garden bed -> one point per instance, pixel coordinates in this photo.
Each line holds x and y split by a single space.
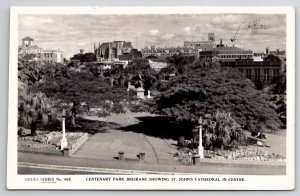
49 142
251 152
248 153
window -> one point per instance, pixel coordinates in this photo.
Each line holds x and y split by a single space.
257 74
248 73
276 73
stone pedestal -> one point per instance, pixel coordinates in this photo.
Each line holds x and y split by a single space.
140 93
141 156
121 155
149 96
180 141
196 159
63 143
66 152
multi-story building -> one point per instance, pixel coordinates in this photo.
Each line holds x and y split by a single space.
189 48
266 71
202 45
39 54
260 68
225 53
168 52
50 56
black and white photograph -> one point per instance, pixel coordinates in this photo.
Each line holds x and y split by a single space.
151 98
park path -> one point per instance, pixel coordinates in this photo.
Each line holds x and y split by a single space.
105 146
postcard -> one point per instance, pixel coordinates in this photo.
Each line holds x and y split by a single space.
151 98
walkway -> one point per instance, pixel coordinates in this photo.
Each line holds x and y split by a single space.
105 146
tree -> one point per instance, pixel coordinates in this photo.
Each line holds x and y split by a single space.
142 73
221 130
86 57
82 87
205 90
179 62
33 109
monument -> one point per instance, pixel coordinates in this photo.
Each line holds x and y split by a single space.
200 148
63 141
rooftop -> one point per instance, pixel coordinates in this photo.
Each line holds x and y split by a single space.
127 45
27 38
125 57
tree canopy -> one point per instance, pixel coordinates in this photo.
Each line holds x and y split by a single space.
86 57
82 87
205 90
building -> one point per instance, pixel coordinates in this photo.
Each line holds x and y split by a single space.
157 64
202 45
110 51
28 47
50 56
168 52
265 72
281 54
211 36
260 68
189 48
225 53
39 54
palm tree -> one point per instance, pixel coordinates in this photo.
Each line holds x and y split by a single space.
220 130
33 109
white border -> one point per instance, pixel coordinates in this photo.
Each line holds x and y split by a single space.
286 182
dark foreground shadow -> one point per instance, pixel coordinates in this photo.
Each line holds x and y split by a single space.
92 126
82 125
161 127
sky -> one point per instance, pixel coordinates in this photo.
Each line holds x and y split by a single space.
73 32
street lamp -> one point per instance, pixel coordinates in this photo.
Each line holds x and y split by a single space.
63 141
200 148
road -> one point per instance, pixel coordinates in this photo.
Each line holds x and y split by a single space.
44 164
